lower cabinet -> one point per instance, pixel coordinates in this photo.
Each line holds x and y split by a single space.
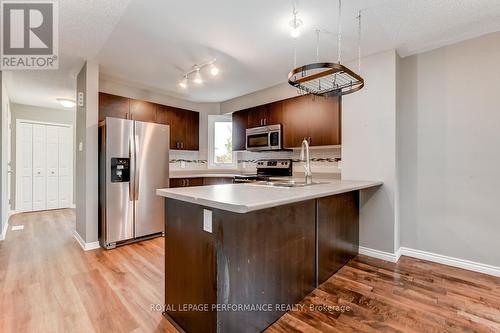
186 182
217 180
199 181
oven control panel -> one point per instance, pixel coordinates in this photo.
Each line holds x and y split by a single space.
275 167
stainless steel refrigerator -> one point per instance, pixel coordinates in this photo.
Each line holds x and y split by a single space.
133 163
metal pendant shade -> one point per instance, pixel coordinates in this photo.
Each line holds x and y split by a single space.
328 78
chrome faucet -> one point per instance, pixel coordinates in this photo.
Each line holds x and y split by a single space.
307 165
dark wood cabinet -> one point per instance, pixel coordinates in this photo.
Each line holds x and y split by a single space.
184 127
186 182
113 106
142 110
296 116
240 120
324 123
199 181
258 116
314 118
338 232
191 134
217 180
184 124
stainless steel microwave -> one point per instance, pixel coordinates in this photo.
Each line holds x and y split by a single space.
264 138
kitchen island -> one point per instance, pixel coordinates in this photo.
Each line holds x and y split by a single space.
238 256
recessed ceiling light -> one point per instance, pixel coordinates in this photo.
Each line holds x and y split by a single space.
67 103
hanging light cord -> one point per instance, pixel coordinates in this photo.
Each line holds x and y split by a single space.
339 34
359 41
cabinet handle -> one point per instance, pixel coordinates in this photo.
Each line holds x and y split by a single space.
182 146
265 121
187 182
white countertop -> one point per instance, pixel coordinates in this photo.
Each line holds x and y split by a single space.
244 198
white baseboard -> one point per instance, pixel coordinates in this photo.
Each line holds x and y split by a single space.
450 261
433 257
4 230
85 246
387 256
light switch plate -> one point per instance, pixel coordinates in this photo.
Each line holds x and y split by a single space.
207 220
80 146
80 99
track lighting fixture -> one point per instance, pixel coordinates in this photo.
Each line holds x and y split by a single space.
197 75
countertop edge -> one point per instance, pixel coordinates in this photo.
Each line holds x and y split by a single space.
239 208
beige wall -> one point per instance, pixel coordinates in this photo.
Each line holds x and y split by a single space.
369 149
448 152
87 158
36 113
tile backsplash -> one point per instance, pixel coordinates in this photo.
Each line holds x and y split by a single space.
322 159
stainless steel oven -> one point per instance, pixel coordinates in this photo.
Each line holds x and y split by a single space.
264 138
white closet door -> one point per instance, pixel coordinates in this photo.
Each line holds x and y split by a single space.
65 169
52 167
39 167
25 167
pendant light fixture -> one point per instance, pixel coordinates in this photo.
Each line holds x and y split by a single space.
328 78
295 23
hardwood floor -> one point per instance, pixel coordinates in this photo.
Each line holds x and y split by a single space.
48 284
410 296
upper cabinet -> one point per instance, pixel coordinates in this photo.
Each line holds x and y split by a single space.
240 120
184 124
113 106
142 110
184 127
314 118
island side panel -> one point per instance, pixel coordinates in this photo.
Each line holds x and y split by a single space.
338 232
264 257
190 267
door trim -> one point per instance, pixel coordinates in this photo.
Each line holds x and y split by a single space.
17 172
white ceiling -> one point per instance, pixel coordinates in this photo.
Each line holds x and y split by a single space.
153 43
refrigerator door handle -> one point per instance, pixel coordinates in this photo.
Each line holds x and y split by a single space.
131 157
137 168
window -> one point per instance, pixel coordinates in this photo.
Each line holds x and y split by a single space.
220 142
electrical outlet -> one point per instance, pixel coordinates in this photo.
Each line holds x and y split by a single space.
207 220
183 165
